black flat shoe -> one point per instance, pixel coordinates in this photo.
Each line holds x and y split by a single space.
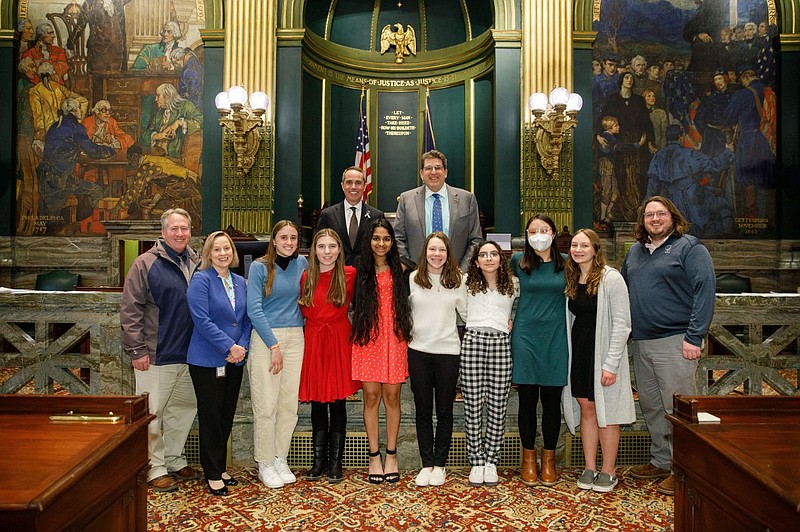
230 481
391 478
375 478
221 492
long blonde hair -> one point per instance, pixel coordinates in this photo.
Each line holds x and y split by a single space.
271 255
337 293
572 271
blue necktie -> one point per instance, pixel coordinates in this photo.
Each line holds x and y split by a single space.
436 223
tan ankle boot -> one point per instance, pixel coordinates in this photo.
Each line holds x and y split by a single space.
529 467
548 467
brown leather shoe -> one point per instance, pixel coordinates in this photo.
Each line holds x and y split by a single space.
667 486
529 467
185 473
648 471
163 483
548 476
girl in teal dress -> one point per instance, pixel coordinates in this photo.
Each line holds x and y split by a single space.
539 345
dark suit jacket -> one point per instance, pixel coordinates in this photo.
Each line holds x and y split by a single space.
464 231
333 217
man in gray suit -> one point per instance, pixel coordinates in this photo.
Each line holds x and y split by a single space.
351 217
436 206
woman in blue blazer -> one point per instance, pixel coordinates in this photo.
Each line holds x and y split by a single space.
218 302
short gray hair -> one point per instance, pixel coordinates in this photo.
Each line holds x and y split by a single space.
176 30
43 28
70 106
100 105
169 212
46 68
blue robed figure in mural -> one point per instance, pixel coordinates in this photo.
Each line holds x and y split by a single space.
675 172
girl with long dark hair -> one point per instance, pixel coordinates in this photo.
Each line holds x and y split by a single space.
381 331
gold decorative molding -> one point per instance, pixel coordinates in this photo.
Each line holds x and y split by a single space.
543 193
790 42
404 41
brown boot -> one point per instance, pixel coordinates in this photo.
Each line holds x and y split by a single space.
548 467
529 467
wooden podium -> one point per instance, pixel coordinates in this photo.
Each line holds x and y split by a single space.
75 474
741 474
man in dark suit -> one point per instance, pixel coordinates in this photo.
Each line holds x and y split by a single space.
436 206
351 217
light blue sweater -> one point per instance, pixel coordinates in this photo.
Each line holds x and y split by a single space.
280 309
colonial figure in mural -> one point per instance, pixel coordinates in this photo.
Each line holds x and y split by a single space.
64 142
72 170
105 46
706 48
156 57
44 51
172 122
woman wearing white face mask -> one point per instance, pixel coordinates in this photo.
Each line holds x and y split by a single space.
539 345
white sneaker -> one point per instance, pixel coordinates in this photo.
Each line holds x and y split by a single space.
476 476
269 476
490 477
423 477
283 471
438 476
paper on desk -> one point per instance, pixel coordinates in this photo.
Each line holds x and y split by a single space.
705 417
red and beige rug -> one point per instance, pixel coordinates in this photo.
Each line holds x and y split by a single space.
357 505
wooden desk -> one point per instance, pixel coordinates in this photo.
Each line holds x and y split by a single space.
741 474
73 476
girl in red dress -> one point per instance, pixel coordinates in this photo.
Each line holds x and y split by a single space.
325 379
381 331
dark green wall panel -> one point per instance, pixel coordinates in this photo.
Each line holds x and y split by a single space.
789 149
288 103
583 190
212 141
507 140
8 181
343 136
449 119
483 147
311 142
397 159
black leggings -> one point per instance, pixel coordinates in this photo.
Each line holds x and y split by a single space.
551 414
338 416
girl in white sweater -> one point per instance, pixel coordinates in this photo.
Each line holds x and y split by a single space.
486 358
437 295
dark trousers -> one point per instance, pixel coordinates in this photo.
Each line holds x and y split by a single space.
216 406
433 377
551 414
329 417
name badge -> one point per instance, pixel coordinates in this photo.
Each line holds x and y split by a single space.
221 371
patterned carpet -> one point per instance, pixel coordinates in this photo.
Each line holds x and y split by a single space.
357 505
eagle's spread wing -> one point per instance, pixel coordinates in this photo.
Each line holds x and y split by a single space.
387 38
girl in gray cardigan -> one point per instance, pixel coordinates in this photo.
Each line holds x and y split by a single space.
598 394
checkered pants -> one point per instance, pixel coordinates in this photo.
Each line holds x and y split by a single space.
485 378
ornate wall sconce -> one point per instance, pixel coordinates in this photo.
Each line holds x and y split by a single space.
244 122
551 121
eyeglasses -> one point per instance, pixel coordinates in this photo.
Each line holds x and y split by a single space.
541 230
656 214
488 255
104 111
431 168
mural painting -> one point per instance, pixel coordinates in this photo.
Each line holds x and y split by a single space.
109 123
684 105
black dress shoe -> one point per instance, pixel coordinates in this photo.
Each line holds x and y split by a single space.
221 492
230 481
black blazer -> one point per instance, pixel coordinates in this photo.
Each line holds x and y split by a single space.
333 217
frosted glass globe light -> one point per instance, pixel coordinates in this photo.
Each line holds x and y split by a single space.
538 102
221 101
237 95
559 96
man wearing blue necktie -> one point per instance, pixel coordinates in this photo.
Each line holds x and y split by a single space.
436 206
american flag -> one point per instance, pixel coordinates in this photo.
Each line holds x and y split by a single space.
362 148
429 139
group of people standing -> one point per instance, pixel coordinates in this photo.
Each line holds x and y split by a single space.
317 330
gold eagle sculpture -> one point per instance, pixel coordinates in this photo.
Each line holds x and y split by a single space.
405 42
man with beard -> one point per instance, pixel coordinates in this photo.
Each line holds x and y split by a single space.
671 284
